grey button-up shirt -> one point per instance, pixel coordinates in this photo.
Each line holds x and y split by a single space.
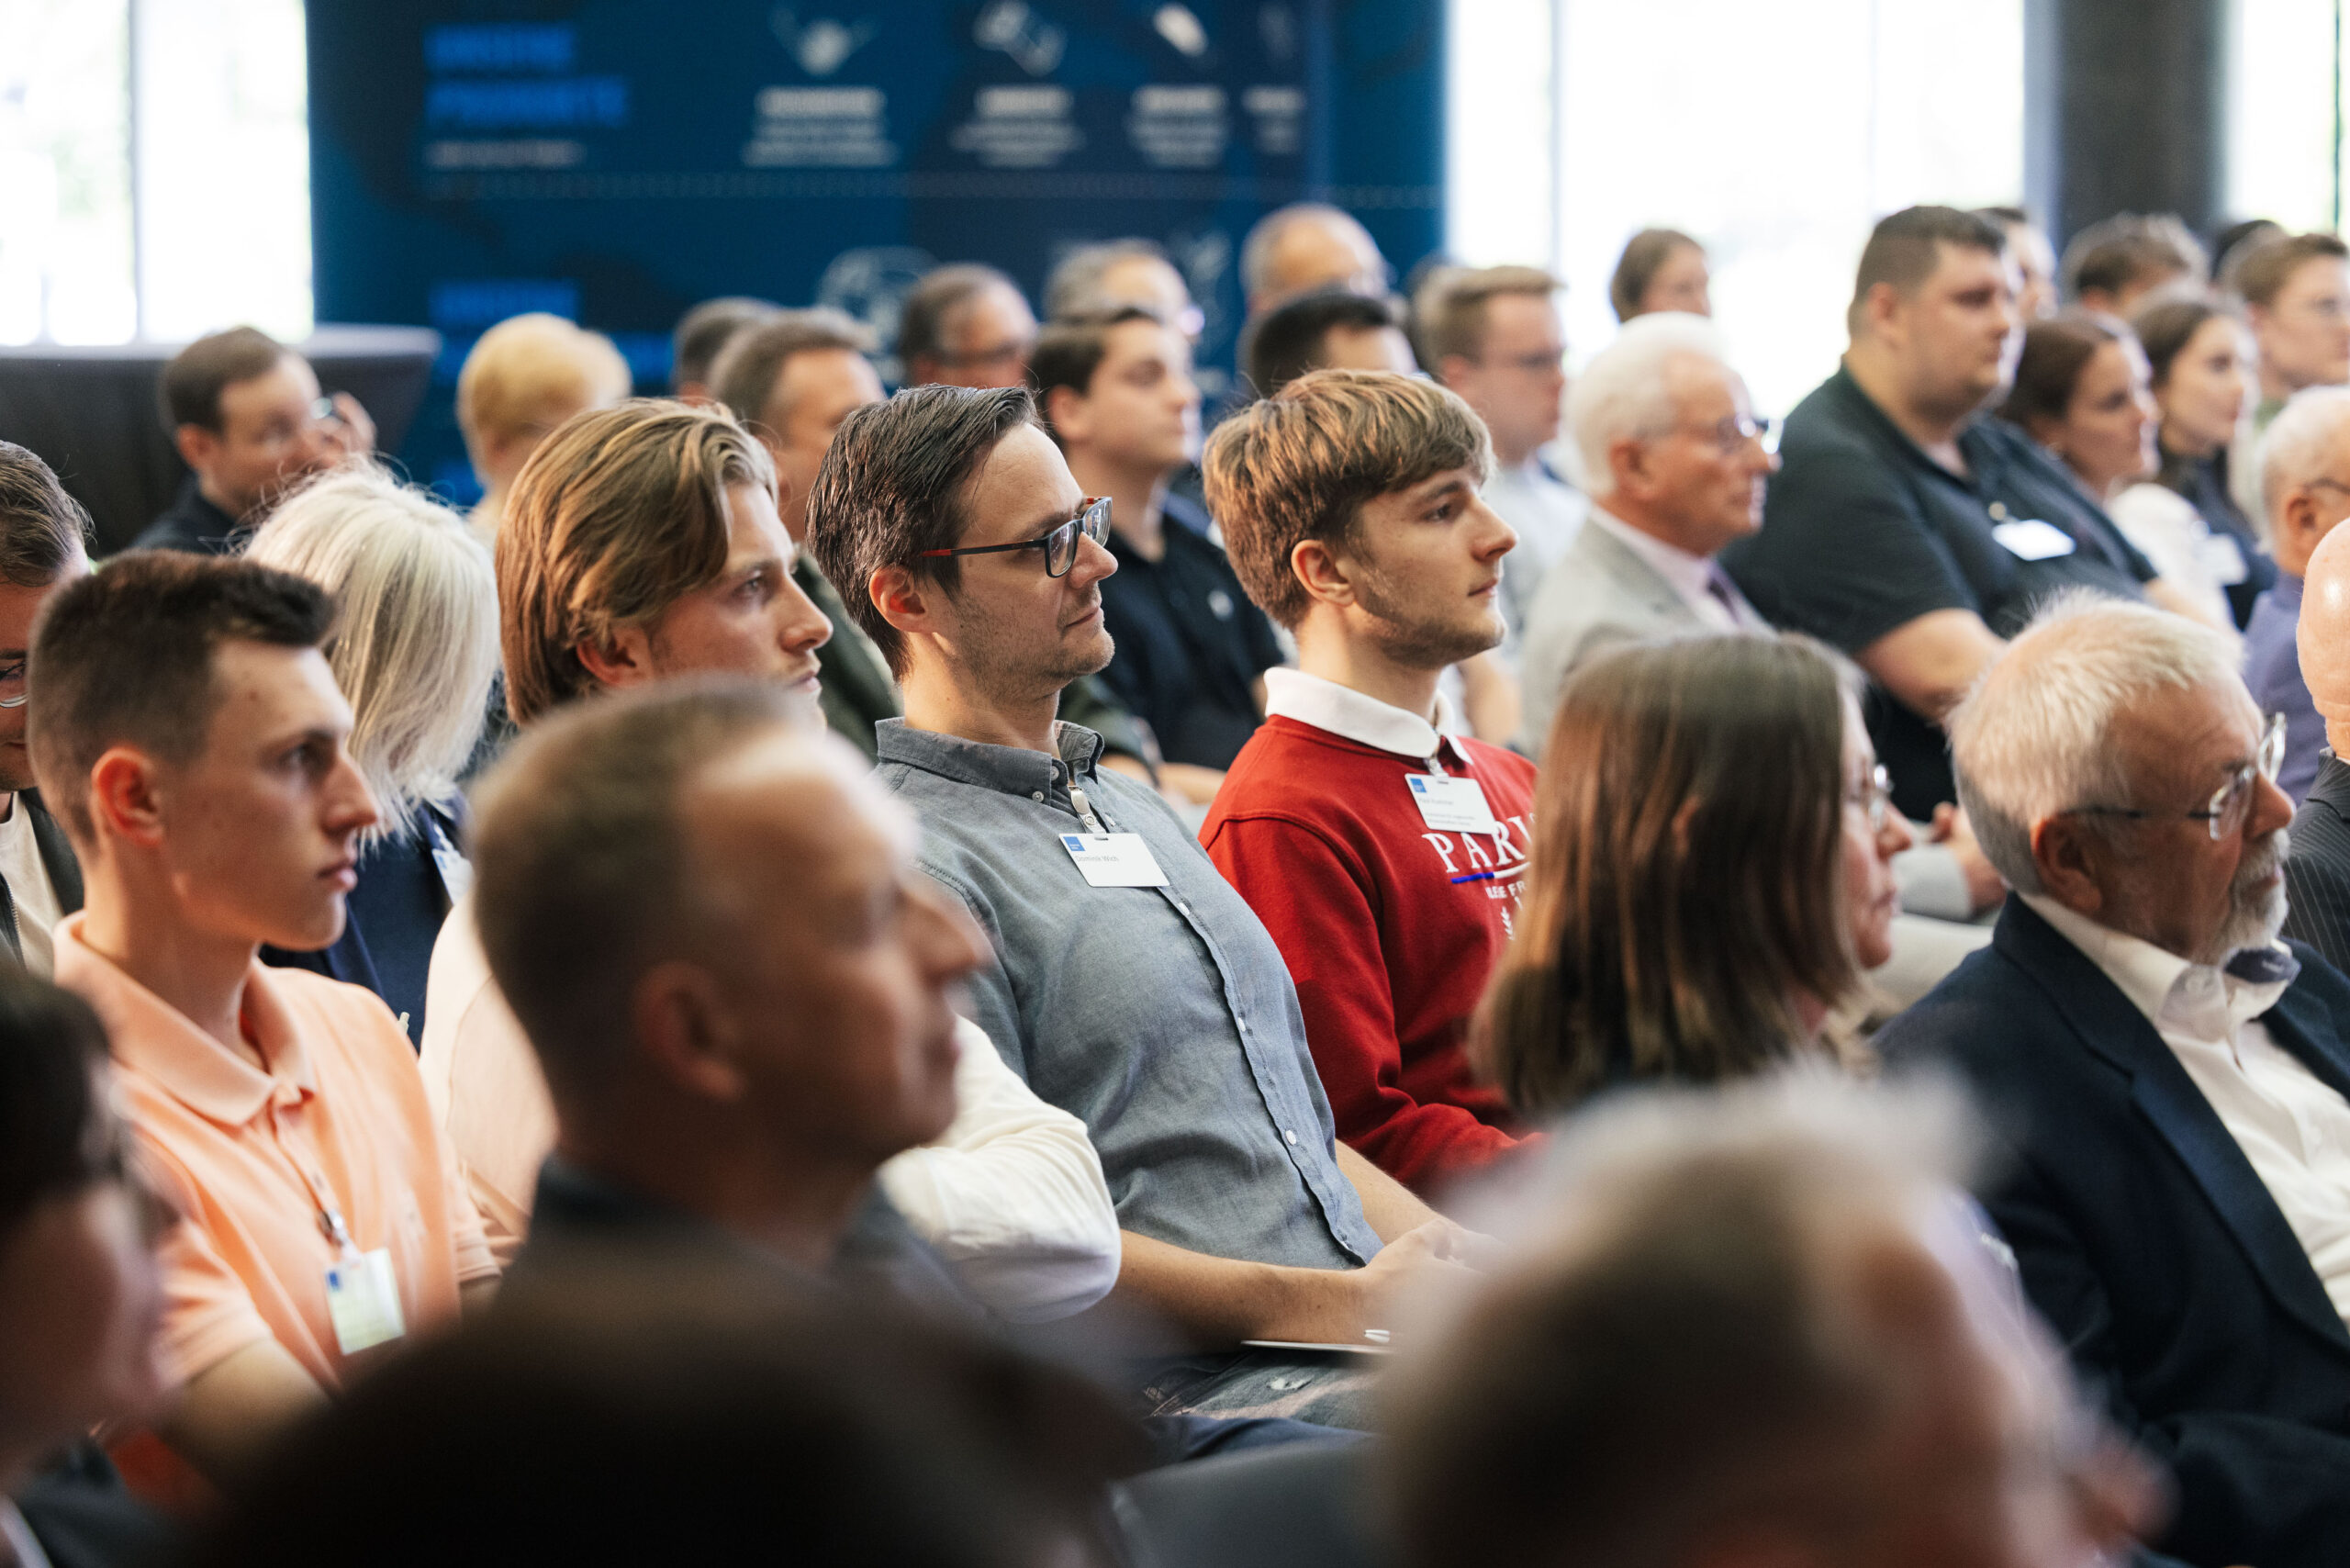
1161 1017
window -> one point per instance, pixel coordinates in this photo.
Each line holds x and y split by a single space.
2285 119
1777 144
191 213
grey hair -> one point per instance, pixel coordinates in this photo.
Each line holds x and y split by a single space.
2030 740
415 642
1680 1306
2298 445
1624 392
1076 285
1256 250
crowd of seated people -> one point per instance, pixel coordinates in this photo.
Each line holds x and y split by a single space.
944 972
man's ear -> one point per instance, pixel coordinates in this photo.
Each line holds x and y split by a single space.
1451 368
1881 309
1067 413
1323 572
197 446
1627 460
123 799
625 661
686 1033
2301 519
2068 855
906 602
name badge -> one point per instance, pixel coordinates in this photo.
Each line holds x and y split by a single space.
1455 805
2030 539
364 1301
2219 555
1114 859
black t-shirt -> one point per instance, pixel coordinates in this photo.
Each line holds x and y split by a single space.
1190 645
1862 533
193 524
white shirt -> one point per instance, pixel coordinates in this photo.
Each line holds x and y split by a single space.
1691 577
2293 1129
2185 552
1351 715
28 889
1545 515
1013 1196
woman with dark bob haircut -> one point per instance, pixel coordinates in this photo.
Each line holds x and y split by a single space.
1713 871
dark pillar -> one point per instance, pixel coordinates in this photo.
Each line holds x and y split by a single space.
2125 110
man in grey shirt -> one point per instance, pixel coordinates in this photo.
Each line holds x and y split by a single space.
1130 985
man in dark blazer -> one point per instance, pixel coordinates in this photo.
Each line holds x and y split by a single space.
2174 1081
2317 870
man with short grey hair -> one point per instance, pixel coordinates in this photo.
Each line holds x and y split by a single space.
1119 272
1764 1324
2304 492
2173 1076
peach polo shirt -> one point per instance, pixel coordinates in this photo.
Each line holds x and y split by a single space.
242 1152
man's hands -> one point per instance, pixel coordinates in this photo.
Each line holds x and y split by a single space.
350 434
1950 829
1434 1255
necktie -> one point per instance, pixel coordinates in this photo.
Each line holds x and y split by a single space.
1718 584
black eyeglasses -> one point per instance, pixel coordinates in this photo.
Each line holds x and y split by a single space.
1092 521
2225 812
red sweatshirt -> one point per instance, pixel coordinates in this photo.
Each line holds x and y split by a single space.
1391 927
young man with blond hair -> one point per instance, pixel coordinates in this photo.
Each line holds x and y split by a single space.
1384 855
523 377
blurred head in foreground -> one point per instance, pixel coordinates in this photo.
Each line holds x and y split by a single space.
701 1419
1755 1326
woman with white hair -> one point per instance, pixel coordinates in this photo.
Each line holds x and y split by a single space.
415 650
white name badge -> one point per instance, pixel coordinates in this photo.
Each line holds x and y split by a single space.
2030 539
1455 805
2219 555
1114 859
364 1301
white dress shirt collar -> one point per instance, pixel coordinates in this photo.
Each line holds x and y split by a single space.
2178 997
1351 715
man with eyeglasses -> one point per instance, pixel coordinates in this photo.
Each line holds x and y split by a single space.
1115 391
44 539
1493 334
1676 461
1904 526
965 326
2172 1076
2305 492
1128 984
246 414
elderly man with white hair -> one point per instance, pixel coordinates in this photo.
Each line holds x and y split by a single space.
2174 1078
2304 491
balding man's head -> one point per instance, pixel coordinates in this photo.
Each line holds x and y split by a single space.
2111 759
1740 1324
1307 246
697 901
2324 635
2305 474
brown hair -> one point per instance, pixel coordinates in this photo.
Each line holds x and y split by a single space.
618 515
2268 265
2128 247
192 383
1685 885
1906 247
1298 465
124 656
891 487
749 368
1071 350
41 527
1450 311
2054 353
1644 254
2164 328
704 331
933 302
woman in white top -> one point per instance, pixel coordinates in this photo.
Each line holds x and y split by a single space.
2083 390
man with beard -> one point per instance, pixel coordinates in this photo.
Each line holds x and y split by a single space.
1127 984
1384 855
2173 1077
